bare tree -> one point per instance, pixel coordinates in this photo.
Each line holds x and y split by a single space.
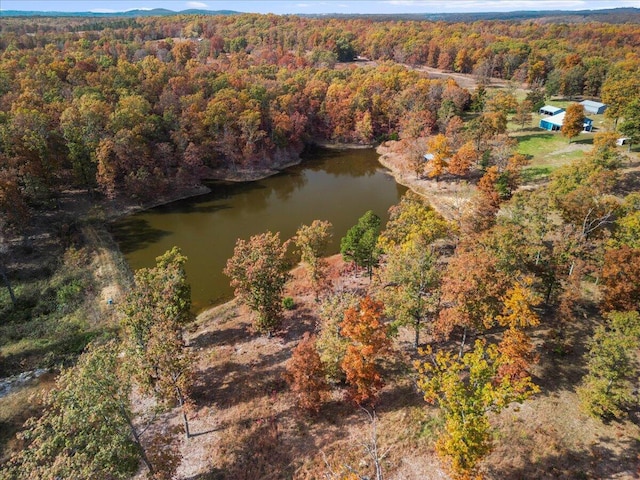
371 449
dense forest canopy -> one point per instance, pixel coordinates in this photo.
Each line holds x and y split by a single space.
514 286
120 104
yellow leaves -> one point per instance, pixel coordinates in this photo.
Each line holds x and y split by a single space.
438 147
518 302
413 222
466 388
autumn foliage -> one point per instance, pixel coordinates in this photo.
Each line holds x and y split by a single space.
259 269
621 279
369 341
306 375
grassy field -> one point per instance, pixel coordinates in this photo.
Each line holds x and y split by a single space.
546 150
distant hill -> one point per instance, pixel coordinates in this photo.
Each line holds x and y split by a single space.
611 15
156 12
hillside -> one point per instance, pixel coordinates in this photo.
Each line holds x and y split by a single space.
611 15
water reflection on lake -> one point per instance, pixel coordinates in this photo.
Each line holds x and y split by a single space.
334 185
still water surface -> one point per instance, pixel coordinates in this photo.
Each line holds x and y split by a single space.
334 185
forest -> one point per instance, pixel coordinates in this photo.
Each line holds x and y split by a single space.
498 338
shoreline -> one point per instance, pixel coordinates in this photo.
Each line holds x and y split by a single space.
434 192
446 197
117 210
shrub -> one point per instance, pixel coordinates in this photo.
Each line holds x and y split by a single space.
288 303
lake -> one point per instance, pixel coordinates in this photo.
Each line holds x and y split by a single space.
335 185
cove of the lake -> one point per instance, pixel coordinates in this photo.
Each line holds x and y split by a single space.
335 185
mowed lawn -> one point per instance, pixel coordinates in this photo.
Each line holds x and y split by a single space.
546 150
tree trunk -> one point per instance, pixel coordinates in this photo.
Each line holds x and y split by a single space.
549 290
136 438
185 420
7 282
464 339
416 342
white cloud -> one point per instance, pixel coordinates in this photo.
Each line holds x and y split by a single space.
302 5
197 5
102 10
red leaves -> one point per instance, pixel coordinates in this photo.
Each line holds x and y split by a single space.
621 279
306 375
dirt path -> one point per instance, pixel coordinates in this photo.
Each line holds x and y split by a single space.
464 80
109 268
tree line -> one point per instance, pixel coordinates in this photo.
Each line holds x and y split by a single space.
131 106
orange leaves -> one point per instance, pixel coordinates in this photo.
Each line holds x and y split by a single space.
516 349
364 328
462 160
573 121
517 355
621 279
370 340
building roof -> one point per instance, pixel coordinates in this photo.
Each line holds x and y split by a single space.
592 104
553 110
556 119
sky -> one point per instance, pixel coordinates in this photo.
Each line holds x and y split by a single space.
317 6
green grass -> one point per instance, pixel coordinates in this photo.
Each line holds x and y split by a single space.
540 144
47 325
547 151
535 174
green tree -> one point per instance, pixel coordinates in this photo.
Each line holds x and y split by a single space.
312 242
155 312
631 124
159 293
573 122
83 125
465 389
410 285
627 225
259 270
86 430
331 344
344 49
607 390
360 242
